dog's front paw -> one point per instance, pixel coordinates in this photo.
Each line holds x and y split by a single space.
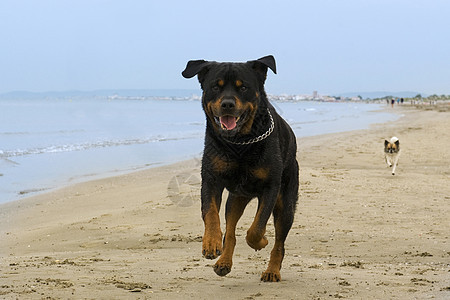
212 245
269 276
255 242
222 268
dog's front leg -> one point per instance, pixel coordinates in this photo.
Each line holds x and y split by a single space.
255 235
388 161
234 210
395 165
212 238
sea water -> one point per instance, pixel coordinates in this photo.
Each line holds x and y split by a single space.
49 143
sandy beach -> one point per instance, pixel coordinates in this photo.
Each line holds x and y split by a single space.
359 232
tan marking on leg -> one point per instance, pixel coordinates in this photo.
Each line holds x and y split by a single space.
272 274
225 262
255 236
212 239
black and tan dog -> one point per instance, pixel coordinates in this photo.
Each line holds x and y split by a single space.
249 150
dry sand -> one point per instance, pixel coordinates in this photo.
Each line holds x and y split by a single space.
359 232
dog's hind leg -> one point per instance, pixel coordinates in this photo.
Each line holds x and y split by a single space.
283 215
234 209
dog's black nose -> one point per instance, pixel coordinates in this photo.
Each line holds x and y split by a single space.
228 104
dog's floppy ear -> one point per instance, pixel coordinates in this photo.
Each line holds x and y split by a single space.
264 62
260 65
397 143
386 142
196 67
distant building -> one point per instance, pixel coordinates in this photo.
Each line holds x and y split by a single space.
315 95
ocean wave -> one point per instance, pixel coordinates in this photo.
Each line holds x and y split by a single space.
294 123
4 162
91 145
12 133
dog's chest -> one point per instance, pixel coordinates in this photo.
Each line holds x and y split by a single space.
240 177
248 182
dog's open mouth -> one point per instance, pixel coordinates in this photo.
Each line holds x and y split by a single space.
231 123
227 122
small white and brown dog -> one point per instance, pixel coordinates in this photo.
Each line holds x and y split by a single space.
392 152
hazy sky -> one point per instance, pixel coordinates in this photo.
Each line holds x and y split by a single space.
329 46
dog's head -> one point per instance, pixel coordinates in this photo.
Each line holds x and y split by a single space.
392 146
232 92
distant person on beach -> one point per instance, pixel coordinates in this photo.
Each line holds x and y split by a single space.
398 101
401 100
392 102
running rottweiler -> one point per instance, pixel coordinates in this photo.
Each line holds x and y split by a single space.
249 150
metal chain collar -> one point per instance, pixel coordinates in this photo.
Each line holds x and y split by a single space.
258 138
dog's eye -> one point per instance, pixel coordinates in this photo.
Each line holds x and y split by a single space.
216 88
243 88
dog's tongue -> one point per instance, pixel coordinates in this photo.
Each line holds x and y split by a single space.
228 121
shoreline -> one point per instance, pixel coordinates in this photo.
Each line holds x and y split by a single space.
359 232
46 172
